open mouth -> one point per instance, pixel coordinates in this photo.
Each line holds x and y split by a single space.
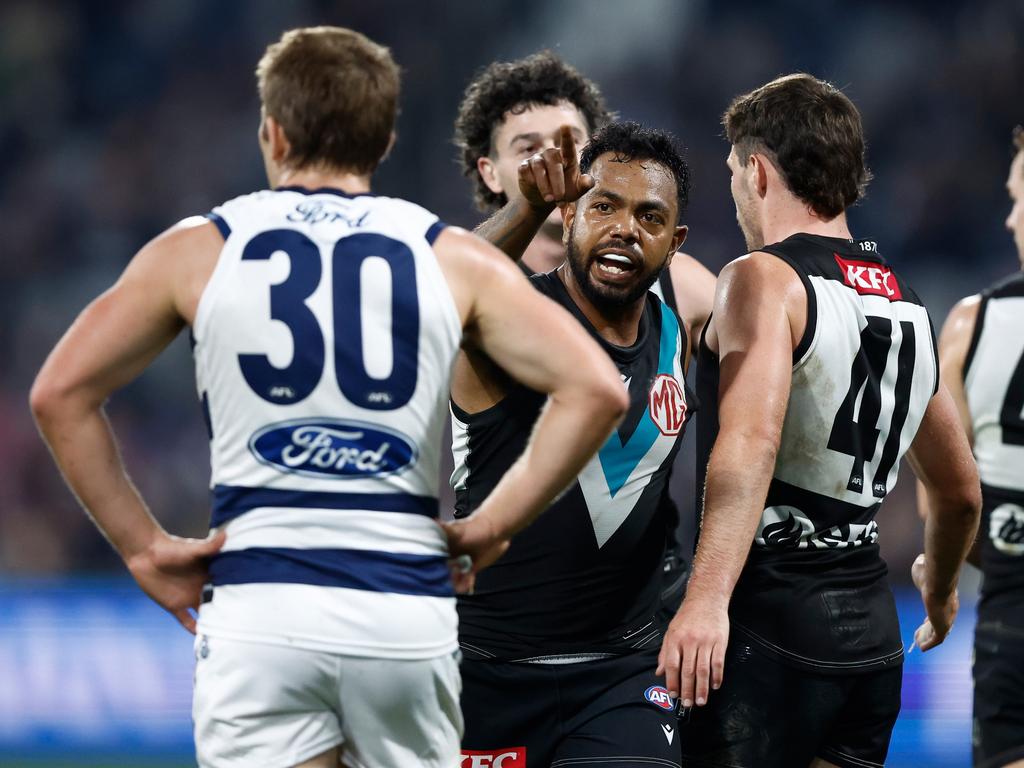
614 266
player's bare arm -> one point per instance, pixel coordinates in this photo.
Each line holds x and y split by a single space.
954 342
110 343
694 287
539 344
546 179
942 460
755 335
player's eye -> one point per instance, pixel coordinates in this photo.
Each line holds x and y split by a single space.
602 207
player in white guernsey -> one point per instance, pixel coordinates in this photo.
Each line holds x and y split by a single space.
981 350
820 363
325 321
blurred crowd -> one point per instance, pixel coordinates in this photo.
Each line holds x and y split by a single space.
119 118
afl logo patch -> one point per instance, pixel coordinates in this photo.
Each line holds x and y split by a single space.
667 404
332 448
659 697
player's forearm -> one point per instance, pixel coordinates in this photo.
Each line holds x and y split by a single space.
512 228
568 433
739 473
85 450
949 533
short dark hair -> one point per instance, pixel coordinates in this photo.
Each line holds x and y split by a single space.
510 86
630 141
335 94
812 133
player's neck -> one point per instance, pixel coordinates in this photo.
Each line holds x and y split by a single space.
544 253
619 326
793 216
349 183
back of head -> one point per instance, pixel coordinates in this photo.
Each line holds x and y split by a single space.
629 141
334 92
812 133
513 86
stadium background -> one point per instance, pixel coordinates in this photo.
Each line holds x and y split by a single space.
119 118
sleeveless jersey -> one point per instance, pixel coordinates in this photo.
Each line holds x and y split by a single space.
994 385
813 591
323 345
584 579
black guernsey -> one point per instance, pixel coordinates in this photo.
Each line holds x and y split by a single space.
585 578
813 592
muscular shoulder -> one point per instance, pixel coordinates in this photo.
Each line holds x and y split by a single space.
754 291
468 262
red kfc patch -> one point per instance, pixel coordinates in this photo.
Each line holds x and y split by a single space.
505 757
866 277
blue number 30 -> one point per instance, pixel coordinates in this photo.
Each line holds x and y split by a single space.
296 381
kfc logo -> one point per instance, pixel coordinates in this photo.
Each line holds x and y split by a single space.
668 404
866 277
506 757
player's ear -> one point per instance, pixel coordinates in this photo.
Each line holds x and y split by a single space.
762 169
568 215
489 173
279 145
679 238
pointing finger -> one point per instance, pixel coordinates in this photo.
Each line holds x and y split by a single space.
567 145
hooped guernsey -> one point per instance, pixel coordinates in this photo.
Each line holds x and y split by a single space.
323 344
584 580
813 592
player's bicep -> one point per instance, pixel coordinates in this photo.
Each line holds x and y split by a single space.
528 335
533 339
755 349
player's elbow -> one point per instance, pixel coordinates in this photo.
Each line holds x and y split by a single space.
50 397
606 398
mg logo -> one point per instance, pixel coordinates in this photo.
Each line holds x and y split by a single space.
668 404
506 757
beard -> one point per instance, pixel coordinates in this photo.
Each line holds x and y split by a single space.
608 298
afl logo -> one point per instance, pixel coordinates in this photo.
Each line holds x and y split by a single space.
667 404
332 448
658 696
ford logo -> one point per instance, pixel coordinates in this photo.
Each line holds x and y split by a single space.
333 448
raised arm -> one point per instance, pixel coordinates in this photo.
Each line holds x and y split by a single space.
547 179
540 345
110 343
754 335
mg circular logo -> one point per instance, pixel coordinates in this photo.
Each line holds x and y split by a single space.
668 404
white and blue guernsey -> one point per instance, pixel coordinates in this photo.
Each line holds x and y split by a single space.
323 348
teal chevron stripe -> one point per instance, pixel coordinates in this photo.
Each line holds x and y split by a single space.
618 459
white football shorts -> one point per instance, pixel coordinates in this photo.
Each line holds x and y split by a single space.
257 704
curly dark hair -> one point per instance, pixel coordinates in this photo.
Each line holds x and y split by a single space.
813 134
505 86
630 141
